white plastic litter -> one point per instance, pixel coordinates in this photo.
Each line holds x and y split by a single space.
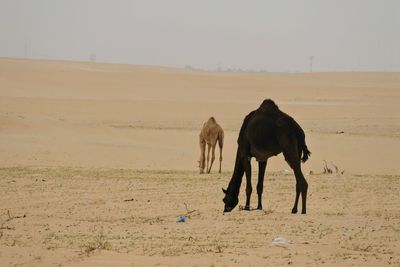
280 242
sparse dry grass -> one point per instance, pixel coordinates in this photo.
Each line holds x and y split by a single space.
100 243
351 219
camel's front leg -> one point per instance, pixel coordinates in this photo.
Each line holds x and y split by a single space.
249 189
202 160
212 157
260 185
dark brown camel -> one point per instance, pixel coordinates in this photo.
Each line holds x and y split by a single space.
266 132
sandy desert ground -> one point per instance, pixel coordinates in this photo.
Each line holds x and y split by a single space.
98 161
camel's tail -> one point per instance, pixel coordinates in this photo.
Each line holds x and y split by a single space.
304 152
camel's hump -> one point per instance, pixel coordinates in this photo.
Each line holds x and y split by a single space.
212 120
268 105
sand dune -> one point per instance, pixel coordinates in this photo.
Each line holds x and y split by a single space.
76 139
95 115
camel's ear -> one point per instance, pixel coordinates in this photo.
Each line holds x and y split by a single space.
224 190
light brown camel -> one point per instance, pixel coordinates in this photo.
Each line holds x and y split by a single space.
210 134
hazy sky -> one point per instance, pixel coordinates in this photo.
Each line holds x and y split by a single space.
281 35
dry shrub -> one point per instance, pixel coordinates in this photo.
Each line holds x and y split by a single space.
100 243
328 170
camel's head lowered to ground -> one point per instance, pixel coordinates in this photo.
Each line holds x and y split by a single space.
230 201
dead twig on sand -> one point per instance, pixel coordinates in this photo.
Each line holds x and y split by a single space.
327 170
338 171
188 212
336 167
10 218
13 217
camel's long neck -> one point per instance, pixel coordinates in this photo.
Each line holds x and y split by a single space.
236 180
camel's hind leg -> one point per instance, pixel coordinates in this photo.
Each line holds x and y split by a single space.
301 183
221 145
212 156
220 159
292 157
